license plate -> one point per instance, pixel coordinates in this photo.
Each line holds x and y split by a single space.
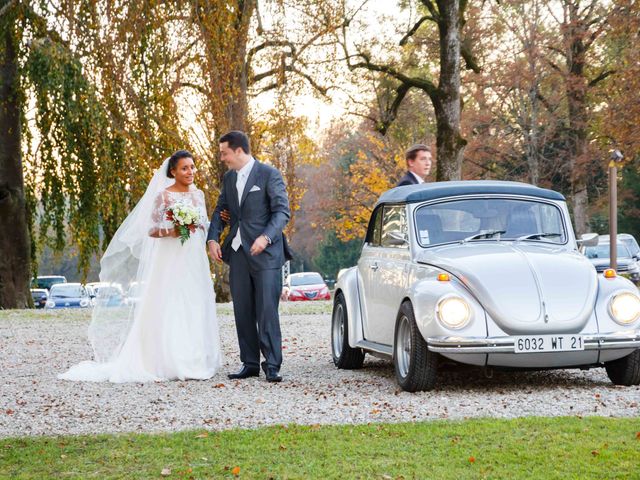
548 343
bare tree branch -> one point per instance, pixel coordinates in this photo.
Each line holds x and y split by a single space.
421 83
9 4
414 29
287 68
391 114
432 9
601 77
469 58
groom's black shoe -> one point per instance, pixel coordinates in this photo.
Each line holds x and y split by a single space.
245 372
271 373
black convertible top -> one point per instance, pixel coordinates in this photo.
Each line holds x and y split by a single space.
436 190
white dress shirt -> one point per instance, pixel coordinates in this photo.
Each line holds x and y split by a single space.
241 182
420 179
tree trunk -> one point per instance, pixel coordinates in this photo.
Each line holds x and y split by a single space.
447 105
14 232
576 89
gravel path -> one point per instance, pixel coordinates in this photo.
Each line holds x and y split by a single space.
35 346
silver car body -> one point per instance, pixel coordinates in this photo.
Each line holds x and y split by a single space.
514 288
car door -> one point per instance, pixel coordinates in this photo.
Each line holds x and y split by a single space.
388 281
368 267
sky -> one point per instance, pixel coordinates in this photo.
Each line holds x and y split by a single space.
375 21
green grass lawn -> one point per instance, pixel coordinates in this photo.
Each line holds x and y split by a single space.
543 448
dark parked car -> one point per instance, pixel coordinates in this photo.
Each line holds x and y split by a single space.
627 265
47 281
40 297
68 295
628 240
305 286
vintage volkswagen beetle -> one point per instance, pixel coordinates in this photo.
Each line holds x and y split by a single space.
483 273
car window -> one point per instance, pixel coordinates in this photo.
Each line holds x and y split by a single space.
393 220
602 251
458 220
375 228
632 245
48 282
306 279
67 291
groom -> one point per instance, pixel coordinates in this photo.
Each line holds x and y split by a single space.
256 198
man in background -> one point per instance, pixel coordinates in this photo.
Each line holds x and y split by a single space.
418 165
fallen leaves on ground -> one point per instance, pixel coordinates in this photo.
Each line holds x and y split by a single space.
235 471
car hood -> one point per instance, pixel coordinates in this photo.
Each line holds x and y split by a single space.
524 287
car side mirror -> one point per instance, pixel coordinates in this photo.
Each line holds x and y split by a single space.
396 237
588 240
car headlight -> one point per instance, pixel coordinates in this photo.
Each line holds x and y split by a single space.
453 312
50 304
625 308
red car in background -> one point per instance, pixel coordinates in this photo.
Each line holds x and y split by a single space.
305 286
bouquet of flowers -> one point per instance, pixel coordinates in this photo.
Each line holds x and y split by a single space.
185 217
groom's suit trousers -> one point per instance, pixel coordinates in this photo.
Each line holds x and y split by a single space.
256 294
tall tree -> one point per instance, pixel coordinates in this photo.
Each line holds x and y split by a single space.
448 17
14 232
581 23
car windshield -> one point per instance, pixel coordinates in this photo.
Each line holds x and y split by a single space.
47 282
602 251
66 291
489 219
306 279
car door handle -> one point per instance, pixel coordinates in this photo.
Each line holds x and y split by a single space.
374 266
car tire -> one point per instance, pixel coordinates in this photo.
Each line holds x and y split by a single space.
344 356
625 370
415 366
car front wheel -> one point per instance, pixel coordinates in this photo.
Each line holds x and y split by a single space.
415 365
344 356
625 370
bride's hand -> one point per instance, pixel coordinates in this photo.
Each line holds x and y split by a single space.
165 232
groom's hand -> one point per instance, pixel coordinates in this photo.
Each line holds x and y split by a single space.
259 245
214 251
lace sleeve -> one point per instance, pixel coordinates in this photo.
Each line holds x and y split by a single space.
158 219
202 208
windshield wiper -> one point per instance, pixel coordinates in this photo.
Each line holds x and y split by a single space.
485 234
540 235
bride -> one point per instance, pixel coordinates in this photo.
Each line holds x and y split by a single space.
168 329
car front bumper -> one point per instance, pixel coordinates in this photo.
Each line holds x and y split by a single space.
475 345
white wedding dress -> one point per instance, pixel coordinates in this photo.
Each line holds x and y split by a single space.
169 329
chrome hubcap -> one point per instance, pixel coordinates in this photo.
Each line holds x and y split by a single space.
403 347
338 330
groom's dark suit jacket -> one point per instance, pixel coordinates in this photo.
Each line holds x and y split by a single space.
407 179
264 210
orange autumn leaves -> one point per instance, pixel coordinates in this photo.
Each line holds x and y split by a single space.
375 168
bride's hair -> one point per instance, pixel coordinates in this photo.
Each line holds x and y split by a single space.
175 158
